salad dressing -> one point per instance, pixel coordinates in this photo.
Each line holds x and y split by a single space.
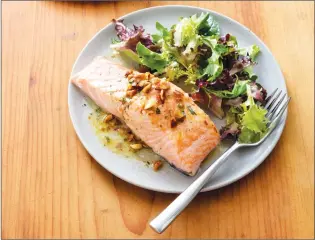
112 137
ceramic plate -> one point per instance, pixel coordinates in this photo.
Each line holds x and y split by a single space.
167 179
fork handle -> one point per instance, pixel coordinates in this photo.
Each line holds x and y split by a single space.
163 220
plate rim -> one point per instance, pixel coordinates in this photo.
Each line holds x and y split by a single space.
211 187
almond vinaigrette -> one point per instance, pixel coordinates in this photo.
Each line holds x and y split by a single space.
119 139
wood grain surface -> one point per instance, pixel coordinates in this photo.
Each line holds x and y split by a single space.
52 188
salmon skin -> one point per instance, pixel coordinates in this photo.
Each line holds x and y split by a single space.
161 114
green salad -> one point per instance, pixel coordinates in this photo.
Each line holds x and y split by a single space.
219 72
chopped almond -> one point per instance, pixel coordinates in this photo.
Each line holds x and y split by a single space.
143 83
136 146
147 88
108 118
163 85
150 103
155 80
162 95
142 102
157 165
131 93
147 75
139 77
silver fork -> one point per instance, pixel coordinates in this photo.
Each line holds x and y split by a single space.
275 110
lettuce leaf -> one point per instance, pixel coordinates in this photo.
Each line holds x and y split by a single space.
163 33
151 59
254 121
208 26
129 37
185 30
130 54
172 53
240 88
230 117
188 33
201 22
247 120
215 65
221 49
248 136
215 106
174 71
189 28
232 42
251 51
191 49
164 39
249 71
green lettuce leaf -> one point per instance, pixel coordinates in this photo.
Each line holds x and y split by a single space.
240 88
201 21
215 65
185 30
119 47
221 49
191 49
130 54
208 27
151 59
189 29
253 121
249 71
174 71
164 39
115 40
186 35
248 136
163 33
172 53
252 51
213 69
232 42
230 117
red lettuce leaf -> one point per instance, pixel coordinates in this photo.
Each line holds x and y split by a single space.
130 36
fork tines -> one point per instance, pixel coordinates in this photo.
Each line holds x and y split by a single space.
274 104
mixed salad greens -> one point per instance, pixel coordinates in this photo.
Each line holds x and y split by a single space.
219 72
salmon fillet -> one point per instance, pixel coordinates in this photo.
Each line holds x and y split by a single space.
161 114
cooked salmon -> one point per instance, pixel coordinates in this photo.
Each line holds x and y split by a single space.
161 114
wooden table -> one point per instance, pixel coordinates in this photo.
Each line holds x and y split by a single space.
52 188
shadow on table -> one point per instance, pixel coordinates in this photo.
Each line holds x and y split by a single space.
139 206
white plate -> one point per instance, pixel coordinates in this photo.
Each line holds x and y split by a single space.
167 179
